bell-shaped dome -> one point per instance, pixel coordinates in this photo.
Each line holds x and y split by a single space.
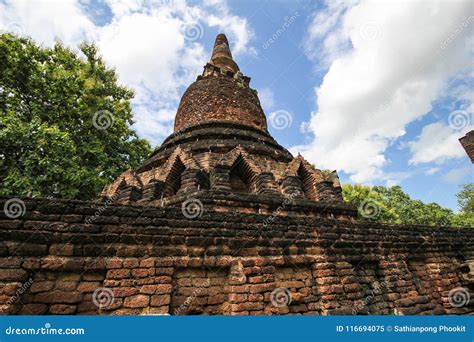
221 93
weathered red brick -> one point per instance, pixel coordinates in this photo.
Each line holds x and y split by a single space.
58 297
124 291
62 309
33 309
160 300
88 286
118 273
163 289
114 263
138 301
41 286
13 275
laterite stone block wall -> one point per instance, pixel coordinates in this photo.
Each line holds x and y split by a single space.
467 142
135 260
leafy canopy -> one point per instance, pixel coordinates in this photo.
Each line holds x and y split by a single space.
391 204
466 206
50 99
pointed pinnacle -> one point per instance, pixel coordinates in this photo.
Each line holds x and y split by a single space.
221 55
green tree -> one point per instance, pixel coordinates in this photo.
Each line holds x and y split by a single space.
411 211
393 205
371 205
465 197
64 121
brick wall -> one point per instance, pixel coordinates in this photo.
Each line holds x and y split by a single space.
147 260
467 142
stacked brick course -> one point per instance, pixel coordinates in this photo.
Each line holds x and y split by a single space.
157 261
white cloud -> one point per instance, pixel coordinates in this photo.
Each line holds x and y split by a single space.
457 175
47 21
156 47
121 43
432 171
237 27
464 93
437 143
267 99
153 124
400 58
325 37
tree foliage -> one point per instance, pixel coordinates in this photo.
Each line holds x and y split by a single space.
466 198
466 206
49 140
373 206
391 204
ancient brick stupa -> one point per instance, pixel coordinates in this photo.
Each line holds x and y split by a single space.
221 151
223 220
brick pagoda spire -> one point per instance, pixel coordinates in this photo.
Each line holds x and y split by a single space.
221 150
221 55
221 93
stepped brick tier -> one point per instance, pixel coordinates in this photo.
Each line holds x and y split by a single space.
221 219
158 261
221 147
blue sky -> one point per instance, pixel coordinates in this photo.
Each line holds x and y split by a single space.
380 91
